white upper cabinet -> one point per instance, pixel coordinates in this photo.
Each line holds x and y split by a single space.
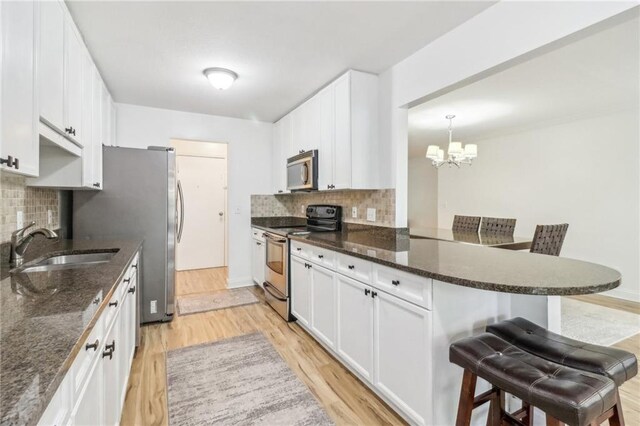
51 64
340 121
18 109
60 72
73 85
75 110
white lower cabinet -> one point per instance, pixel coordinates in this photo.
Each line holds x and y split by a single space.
380 333
258 253
355 325
402 336
94 388
301 291
323 304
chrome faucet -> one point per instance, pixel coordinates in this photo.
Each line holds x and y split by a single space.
19 241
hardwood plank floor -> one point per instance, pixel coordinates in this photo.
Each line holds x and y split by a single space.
344 397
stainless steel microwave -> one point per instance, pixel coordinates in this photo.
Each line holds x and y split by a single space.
302 171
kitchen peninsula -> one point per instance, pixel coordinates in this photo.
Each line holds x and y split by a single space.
388 306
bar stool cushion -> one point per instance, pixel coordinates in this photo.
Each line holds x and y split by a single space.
572 396
614 363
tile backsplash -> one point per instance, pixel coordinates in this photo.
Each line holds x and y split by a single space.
383 200
33 202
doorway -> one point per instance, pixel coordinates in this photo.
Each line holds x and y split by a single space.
202 195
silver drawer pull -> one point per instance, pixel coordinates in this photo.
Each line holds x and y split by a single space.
93 345
395 282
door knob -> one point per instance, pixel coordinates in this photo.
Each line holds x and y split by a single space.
220 213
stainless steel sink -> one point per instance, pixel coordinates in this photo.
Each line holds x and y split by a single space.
66 261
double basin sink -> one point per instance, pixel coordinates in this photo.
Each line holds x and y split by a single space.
66 261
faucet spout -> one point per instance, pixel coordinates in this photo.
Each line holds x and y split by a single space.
20 242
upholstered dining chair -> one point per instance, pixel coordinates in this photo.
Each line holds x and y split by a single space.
466 223
497 225
548 239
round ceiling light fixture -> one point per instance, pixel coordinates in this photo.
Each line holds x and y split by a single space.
220 78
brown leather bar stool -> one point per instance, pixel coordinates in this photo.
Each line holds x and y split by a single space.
616 364
566 395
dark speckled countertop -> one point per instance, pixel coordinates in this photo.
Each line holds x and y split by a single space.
467 265
44 319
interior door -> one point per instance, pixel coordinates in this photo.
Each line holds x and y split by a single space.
203 218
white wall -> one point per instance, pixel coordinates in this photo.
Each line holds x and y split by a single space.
249 160
499 34
423 194
584 173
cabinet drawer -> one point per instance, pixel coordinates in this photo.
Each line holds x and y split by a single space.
87 355
301 250
320 256
410 287
257 234
354 267
115 303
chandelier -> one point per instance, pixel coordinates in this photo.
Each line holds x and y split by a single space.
456 153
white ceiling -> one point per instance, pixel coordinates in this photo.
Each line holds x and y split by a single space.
594 75
153 53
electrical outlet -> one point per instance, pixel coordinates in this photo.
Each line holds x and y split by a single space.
49 217
354 212
154 307
371 215
19 220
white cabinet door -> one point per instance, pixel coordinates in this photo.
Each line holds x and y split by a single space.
106 116
355 325
72 84
300 290
89 409
96 130
112 380
18 108
402 354
326 137
51 63
258 253
323 304
277 169
342 146
87 121
126 320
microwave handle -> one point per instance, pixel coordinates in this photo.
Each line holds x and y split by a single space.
304 173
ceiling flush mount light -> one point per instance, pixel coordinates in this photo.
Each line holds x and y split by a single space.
220 78
456 153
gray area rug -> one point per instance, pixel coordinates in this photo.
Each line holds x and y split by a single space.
213 301
237 381
597 324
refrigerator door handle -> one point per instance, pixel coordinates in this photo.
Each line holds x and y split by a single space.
181 196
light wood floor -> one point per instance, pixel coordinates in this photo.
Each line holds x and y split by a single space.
345 398
630 391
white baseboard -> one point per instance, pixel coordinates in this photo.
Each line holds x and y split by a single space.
240 282
622 294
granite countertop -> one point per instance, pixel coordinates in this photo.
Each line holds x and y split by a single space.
45 318
467 265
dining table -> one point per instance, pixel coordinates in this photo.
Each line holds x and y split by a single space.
504 241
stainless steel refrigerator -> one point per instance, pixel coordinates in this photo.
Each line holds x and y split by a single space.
139 200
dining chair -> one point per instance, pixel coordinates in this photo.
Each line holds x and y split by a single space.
497 225
548 239
466 223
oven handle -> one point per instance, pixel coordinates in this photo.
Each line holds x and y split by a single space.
275 296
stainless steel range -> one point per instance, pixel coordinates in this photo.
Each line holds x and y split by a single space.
320 218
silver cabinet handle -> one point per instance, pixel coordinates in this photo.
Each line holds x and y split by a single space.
181 196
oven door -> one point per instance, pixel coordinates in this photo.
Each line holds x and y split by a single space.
276 263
